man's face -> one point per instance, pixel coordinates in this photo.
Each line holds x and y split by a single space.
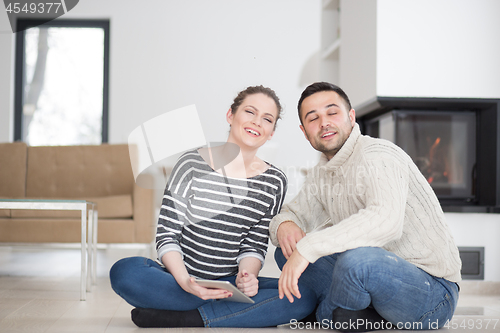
326 121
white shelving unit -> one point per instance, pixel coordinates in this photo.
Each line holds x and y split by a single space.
331 51
330 41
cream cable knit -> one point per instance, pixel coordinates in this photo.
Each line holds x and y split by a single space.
372 194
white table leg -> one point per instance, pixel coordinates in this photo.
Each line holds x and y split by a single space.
83 278
94 236
90 245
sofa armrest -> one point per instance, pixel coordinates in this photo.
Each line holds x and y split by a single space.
144 214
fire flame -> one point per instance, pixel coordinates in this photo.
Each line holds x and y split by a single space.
432 152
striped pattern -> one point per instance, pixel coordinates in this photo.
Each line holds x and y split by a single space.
215 221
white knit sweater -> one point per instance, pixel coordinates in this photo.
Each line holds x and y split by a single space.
372 194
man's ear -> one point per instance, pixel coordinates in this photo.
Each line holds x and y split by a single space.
352 116
229 116
304 131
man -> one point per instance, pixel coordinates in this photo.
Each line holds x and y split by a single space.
366 231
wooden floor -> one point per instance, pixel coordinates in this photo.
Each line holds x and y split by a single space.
39 292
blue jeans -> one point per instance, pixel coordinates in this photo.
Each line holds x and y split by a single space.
400 292
143 283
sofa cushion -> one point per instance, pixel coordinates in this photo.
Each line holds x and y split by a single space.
117 206
73 172
64 231
13 170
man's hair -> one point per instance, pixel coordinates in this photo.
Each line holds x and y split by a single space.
323 86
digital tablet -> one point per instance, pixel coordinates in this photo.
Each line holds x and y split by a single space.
238 296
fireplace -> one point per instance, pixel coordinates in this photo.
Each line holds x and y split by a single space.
454 142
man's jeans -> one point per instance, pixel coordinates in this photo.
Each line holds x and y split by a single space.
143 283
400 292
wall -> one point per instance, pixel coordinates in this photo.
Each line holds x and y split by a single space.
479 230
169 54
358 52
445 48
6 78
428 48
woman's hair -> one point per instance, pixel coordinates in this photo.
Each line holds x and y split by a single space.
257 90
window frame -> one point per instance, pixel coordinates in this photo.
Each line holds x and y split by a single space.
24 24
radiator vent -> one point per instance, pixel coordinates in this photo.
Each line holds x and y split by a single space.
472 263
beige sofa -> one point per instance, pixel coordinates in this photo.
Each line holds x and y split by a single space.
101 174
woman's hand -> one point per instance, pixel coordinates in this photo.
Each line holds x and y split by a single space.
247 283
189 285
246 280
175 265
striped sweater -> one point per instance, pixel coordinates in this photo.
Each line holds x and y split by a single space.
215 221
372 194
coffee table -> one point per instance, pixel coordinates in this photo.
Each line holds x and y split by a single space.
89 222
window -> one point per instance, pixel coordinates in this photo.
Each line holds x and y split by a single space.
61 82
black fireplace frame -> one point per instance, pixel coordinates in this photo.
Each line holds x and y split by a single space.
487 111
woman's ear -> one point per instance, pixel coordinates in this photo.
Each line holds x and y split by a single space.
229 116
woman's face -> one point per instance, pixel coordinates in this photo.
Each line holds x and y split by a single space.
252 124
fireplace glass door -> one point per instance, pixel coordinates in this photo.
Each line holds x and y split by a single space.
442 144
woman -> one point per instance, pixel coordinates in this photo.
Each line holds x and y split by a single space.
213 224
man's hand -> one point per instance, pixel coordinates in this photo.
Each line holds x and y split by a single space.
288 236
247 283
289 279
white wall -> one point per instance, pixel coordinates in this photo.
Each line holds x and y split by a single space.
438 48
166 54
479 230
6 78
420 48
358 52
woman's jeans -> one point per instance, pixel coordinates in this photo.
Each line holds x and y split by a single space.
143 283
401 293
